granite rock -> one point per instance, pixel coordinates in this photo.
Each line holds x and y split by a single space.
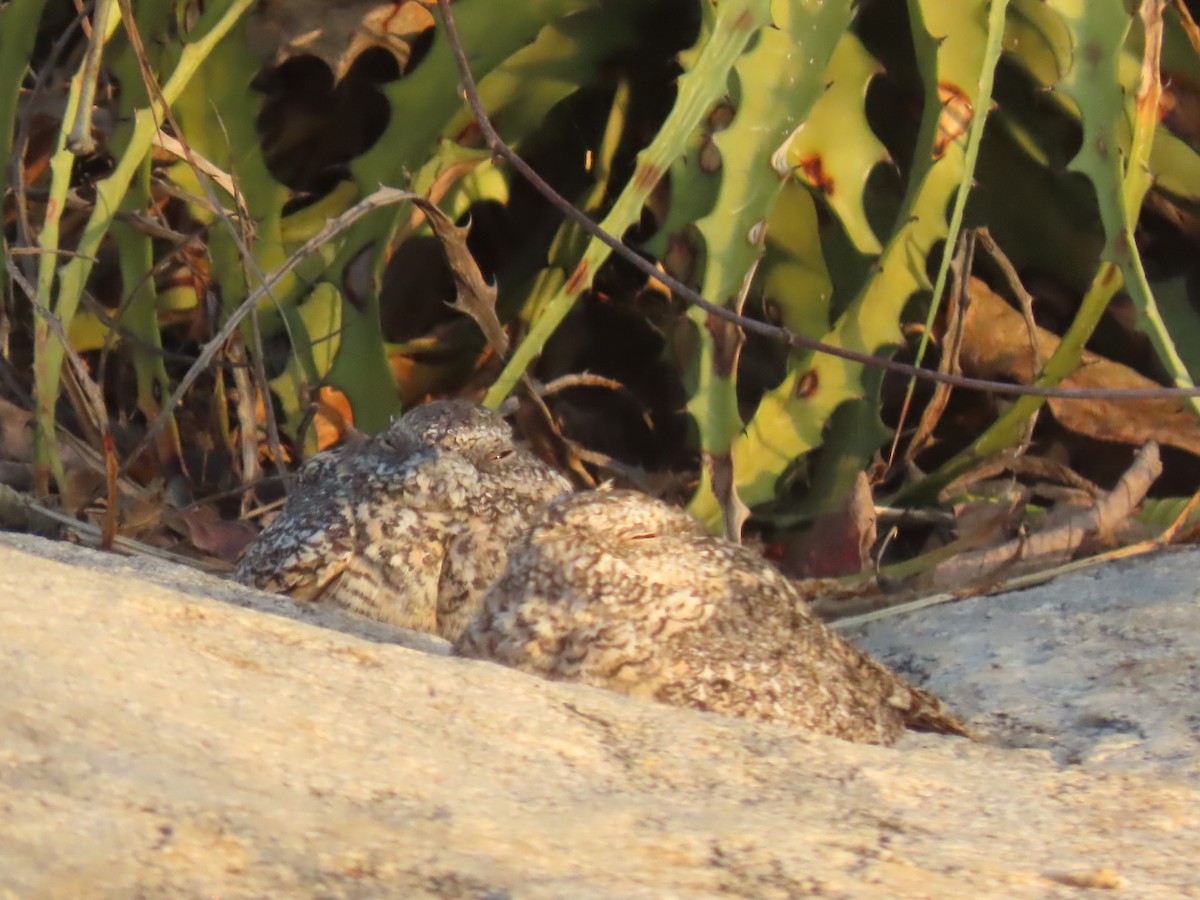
166 733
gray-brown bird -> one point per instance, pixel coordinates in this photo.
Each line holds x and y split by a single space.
410 526
621 591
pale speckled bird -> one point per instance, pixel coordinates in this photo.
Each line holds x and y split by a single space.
410 526
621 591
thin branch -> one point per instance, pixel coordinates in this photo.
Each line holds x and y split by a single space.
332 228
79 141
1024 298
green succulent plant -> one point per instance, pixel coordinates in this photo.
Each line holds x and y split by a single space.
794 197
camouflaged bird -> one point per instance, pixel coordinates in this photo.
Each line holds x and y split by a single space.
621 591
410 526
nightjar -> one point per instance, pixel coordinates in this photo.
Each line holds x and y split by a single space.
621 591
410 526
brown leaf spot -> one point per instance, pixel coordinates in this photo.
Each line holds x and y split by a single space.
957 113
680 257
727 344
578 279
720 117
710 157
1121 248
744 22
470 136
815 174
807 385
1108 276
646 176
772 311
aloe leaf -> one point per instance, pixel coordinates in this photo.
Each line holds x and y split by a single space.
699 90
790 420
525 61
570 239
840 116
796 285
1176 166
1093 82
982 102
1134 184
778 81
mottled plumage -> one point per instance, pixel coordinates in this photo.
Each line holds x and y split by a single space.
621 591
410 526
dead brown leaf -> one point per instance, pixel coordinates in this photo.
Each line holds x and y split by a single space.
220 538
475 296
333 417
988 521
16 432
16 444
839 542
1056 544
996 345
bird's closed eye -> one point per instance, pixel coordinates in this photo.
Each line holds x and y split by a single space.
502 454
642 536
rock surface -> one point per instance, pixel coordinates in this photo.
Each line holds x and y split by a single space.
164 733
1101 667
